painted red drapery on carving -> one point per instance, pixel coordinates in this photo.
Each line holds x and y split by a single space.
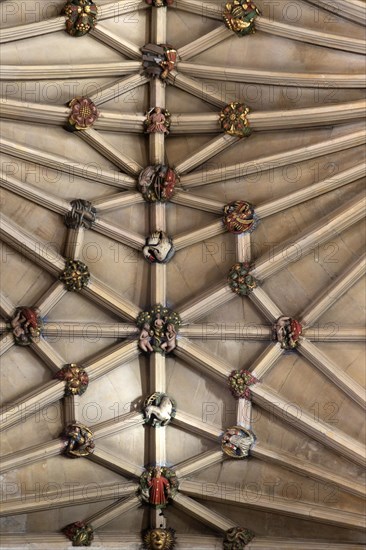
157 490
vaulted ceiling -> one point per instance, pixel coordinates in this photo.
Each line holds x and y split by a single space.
302 167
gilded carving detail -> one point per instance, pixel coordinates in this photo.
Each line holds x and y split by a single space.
78 441
240 217
79 533
233 120
239 16
287 331
159 539
26 326
240 280
156 183
83 113
158 329
76 379
158 484
237 442
239 383
158 60
75 275
81 16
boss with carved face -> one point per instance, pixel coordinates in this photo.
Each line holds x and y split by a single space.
159 539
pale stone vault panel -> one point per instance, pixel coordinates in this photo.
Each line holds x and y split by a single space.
302 167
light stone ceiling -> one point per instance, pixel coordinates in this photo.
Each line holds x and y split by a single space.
302 486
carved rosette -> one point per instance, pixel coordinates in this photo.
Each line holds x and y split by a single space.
156 183
237 442
159 409
81 16
237 538
75 275
26 326
239 16
240 217
239 383
233 120
83 113
82 214
158 60
240 280
80 533
159 3
76 379
78 441
158 329
159 539
158 248
157 121
158 484
287 331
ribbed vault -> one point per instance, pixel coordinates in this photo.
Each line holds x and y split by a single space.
301 75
